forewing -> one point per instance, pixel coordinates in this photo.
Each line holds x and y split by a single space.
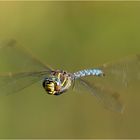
12 83
17 58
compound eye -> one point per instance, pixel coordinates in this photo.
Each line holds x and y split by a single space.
48 81
57 81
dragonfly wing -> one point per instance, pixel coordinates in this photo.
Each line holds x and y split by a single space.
13 83
107 97
13 55
118 76
121 74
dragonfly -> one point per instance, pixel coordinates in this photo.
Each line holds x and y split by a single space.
106 79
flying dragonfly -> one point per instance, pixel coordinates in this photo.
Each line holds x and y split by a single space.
56 82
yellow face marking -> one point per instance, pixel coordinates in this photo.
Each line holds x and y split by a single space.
50 87
52 92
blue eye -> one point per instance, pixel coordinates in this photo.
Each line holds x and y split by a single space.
56 80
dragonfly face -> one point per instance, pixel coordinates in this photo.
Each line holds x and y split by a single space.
52 85
57 83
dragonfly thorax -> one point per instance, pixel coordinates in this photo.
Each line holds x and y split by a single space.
57 83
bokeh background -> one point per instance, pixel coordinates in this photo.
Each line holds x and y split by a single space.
69 36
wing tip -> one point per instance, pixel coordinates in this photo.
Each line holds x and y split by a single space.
8 43
138 57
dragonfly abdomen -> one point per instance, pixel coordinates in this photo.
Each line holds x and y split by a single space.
88 72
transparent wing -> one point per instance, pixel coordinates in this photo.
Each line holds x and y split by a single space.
17 58
121 74
12 83
107 97
118 76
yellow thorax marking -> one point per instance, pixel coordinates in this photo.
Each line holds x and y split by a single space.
64 81
59 74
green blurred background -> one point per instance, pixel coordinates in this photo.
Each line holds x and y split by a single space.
69 36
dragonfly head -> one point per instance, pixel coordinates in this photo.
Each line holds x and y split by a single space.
52 85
